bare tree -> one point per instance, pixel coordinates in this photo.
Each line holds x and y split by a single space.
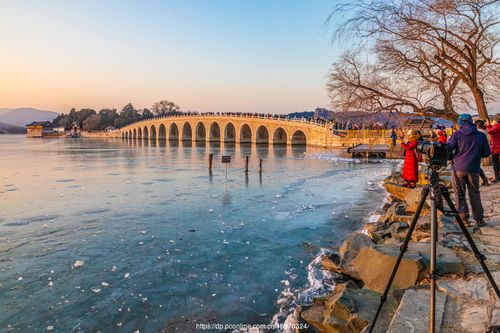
459 37
354 85
165 108
404 60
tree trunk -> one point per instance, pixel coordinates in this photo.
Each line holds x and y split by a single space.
480 103
450 109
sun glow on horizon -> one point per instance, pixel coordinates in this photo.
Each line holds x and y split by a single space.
209 56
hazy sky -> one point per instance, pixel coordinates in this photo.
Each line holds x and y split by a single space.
205 55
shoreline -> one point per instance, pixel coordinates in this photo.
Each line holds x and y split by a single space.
321 281
466 301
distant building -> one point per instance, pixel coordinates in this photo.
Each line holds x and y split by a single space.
324 113
40 129
75 130
37 129
110 129
59 129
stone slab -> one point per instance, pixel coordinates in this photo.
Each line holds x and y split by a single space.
413 312
474 318
476 289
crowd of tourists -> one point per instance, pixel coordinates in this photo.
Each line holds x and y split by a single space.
470 144
351 125
317 120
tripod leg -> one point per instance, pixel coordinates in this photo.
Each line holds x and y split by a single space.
404 248
433 271
480 257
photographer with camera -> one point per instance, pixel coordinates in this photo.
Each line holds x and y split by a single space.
468 147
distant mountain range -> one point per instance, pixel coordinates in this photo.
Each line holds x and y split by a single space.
23 116
11 129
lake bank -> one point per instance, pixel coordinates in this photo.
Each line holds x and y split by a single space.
465 301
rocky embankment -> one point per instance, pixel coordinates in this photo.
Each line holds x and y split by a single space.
465 302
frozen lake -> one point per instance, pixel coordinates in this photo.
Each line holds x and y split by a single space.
165 244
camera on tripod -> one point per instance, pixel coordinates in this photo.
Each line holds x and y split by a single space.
438 153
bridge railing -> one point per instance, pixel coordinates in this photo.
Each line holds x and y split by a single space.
236 115
362 134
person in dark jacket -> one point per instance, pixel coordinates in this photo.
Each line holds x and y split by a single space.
469 146
481 127
494 133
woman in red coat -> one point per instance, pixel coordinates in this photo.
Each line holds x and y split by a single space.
410 166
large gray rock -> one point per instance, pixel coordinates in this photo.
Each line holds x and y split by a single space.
396 190
412 198
374 265
350 250
393 212
347 310
413 312
409 195
447 261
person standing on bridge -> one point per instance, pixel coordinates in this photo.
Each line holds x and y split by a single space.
410 166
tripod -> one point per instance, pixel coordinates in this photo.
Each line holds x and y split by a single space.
437 192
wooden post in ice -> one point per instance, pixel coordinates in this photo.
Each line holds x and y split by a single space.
260 165
210 158
246 164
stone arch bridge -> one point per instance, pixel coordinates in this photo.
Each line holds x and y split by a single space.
259 129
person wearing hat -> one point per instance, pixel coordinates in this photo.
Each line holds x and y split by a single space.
469 146
410 165
494 133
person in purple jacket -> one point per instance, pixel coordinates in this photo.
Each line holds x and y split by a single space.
469 146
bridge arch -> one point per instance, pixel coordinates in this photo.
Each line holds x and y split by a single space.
228 128
162 132
214 132
187 132
230 133
245 133
200 133
262 135
173 133
279 136
153 132
299 138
